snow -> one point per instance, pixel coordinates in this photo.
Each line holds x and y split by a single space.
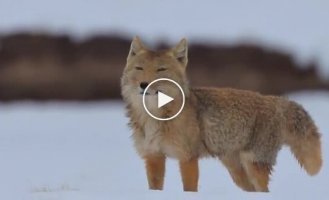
59 151
65 151
298 27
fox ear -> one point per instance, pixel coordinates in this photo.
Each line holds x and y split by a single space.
135 47
180 51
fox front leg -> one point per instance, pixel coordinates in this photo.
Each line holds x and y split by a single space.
190 174
155 171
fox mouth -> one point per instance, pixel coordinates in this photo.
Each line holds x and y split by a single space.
147 93
142 93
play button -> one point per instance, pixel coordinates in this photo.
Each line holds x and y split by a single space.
163 99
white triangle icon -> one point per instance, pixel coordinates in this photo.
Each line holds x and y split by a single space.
163 99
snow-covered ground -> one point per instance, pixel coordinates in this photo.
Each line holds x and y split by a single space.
66 151
300 27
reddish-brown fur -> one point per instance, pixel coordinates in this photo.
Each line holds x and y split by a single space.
190 174
155 168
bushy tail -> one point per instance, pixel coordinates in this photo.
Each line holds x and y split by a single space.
303 138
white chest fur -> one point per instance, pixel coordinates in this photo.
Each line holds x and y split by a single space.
153 137
155 141
157 138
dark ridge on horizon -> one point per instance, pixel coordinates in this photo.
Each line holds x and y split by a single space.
39 66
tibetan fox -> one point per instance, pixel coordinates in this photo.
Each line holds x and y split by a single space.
243 129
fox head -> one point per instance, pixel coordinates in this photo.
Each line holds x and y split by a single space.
144 65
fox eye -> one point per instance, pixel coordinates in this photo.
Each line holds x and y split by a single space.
139 68
161 69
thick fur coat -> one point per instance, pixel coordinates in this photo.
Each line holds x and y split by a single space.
243 129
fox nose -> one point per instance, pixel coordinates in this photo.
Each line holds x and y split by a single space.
143 85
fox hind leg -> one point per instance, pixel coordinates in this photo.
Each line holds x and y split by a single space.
258 173
238 173
155 170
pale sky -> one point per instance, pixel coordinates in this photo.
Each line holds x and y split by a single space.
300 27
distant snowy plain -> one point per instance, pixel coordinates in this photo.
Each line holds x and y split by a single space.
80 151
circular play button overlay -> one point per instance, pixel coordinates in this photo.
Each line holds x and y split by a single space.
161 96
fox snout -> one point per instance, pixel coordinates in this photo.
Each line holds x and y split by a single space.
143 85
